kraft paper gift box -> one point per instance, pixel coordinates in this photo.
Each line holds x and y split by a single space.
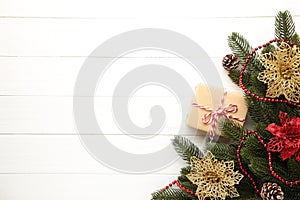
211 98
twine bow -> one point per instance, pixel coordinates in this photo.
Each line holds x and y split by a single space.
214 115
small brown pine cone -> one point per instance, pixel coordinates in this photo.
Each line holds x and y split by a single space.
271 191
230 62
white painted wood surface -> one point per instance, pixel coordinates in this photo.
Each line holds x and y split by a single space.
43 45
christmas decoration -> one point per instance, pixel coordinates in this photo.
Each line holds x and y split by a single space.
287 137
213 116
270 163
282 72
249 61
214 179
267 152
230 62
271 191
206 112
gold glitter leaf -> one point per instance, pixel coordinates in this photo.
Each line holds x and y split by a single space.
215 179
282 72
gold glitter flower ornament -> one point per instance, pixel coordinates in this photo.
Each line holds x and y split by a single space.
215 179
282 72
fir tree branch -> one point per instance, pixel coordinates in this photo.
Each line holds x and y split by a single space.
231 130
288 109
245 189
253 155
186 170
253 149
259 167
261 129
294 168
222 151
170 194
185 148
296 39
188 185
284 26
235 77
261 111
257 87
268 49
239 46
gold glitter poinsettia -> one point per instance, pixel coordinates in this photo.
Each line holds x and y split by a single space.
282 72
215 179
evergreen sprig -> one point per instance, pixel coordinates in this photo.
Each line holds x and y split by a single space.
294 167
231 130
222 151
261 111
239 46
235 77
285 26
296 39
185 148
254 156
170 194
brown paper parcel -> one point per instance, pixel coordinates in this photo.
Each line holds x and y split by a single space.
211 97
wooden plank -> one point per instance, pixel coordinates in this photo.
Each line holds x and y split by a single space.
54 115
64 154
25 76
155 9
78 187
43 45
64 37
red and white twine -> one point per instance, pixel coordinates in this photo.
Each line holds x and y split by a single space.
213 116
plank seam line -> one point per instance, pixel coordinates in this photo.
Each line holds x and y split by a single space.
136 18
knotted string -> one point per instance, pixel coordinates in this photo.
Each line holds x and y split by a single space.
213 116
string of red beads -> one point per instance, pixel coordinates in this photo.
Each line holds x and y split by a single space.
245 66
176 182
269 162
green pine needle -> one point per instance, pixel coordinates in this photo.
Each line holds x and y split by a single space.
261 129
235 77
259 167
261 111
170 194
185 148
241 48
231 130
254 156
284 26
268 49
296 39
222 151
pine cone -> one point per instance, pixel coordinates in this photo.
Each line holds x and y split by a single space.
271 191
230 62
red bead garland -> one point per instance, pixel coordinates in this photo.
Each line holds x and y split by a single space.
269 162
176 182
244 68
274 174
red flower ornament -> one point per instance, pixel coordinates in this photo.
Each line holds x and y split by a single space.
287 137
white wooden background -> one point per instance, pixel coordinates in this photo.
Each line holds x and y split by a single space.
42 47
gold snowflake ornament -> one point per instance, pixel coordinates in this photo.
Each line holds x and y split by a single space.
215 179
282 72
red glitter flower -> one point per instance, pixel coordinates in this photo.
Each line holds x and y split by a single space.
287 137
